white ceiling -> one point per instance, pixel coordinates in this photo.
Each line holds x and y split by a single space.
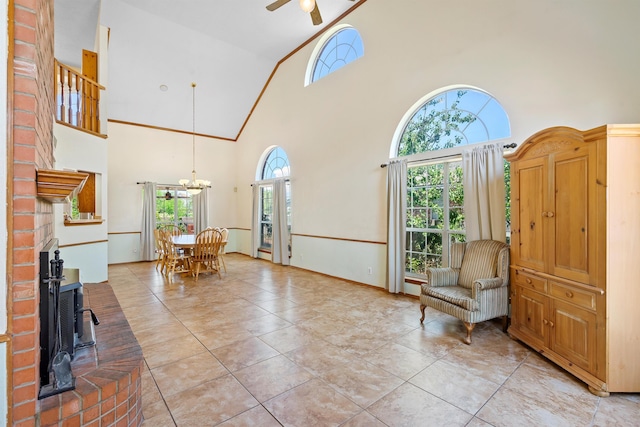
228 47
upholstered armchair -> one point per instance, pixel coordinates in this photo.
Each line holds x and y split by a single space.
474 288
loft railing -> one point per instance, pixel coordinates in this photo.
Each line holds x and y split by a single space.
77 99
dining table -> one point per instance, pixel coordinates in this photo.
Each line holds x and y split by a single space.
184 241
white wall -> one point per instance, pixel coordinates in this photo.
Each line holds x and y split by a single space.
357 261
549 63
84 247
138 154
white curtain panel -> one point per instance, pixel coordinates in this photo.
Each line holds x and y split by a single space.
255 221
147 238
396 225
484 193
280 247
200 211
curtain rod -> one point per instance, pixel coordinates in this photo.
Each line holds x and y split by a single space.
164 185
512 145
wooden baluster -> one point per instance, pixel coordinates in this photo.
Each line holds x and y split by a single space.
96 109
90 107
70 96
60 85
78 99
82 99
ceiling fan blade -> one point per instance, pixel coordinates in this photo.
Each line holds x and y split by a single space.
276 4
315 16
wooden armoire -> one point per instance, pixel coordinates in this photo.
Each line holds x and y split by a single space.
575 252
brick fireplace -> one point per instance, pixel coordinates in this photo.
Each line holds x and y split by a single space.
30 221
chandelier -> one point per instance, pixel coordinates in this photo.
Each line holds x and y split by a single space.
194 186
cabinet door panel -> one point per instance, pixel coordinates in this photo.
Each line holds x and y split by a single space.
573 334
569 224
530 315
532 183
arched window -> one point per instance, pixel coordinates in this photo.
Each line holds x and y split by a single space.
275 164
432 136
335 49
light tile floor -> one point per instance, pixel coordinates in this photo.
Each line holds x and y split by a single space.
268 345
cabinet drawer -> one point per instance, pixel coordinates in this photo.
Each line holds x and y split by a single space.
573 295
529 281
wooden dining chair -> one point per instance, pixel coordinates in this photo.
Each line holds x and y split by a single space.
206 252
160 252
176 260
173 229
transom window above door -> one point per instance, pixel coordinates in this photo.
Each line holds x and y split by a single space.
276 165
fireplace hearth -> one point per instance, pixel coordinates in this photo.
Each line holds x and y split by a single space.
108 375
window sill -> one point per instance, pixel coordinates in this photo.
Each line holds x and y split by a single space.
74 222
415 280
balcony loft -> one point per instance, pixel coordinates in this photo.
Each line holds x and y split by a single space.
77 98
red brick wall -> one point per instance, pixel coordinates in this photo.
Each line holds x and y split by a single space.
31 106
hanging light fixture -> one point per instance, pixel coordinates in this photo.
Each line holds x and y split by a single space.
194 186
307 5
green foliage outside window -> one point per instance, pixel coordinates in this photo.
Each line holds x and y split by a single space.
434 210
75 211
435 127
172 207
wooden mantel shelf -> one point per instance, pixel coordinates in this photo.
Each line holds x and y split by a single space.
57 186
74 222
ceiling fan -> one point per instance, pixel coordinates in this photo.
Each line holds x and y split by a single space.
309 6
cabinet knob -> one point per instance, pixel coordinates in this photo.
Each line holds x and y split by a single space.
545 214
569 294
550 214
528 280
551 324
545 321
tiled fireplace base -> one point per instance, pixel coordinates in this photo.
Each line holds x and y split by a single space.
108 383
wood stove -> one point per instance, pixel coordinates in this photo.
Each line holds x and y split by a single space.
62 325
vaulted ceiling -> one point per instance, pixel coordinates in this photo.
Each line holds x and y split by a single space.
229 48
